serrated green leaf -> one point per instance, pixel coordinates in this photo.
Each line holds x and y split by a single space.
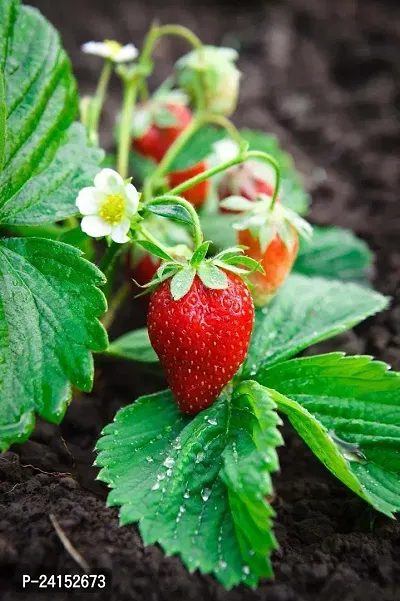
49 302
334 253
182 282
354 404
197 148
292 193
170 211
198 487
46 160
154 250
307 311
212 277
135 346
2 119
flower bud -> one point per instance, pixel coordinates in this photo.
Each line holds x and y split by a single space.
211 71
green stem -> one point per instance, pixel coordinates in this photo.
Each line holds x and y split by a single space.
173 199
108 263
240 158
148 236
125 135
98 101
115 304
180 31
170 156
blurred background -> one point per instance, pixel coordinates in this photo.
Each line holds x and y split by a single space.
322 75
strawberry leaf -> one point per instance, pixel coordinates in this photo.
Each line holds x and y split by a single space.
307 311
46 157
334 253
174 212
49 303
198 487
134 346
182 282
200 254
347 409
154 250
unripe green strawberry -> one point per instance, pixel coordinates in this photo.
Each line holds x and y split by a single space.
202 338
215 68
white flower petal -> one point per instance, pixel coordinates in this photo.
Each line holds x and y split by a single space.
109 181
126 54
119 231
88 200
97 49
131 199
95 227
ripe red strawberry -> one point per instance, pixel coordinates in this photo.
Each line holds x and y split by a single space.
197 195
155 142
250 190
276 260
201 339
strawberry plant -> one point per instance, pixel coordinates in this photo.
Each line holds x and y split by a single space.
209 221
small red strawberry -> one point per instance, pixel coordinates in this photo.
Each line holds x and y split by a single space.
158 123
200 322
197 195
270 233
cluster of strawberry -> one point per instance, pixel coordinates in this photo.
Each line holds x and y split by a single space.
201 335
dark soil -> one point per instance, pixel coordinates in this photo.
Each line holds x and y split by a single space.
323 76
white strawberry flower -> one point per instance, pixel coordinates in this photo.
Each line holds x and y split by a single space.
112 50
108 206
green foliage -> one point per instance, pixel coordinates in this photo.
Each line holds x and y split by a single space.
307 311
353 402
49 303
197 148
198 487
170 211
46 157
334 253
134 346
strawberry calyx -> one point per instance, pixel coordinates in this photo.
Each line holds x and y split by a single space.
266 219
181 270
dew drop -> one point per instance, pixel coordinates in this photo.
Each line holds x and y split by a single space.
200 457
212 422
246 570
149 459
169 462
205 494
169 472
156 486
160 476
222 564
187 494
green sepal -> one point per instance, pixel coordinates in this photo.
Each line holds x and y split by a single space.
212 277
155 250
200 254
174 212
182 282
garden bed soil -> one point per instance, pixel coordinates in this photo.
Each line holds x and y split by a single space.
323 76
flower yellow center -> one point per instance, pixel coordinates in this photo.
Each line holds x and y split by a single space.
112 209
113 46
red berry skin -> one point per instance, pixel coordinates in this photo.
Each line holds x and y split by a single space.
277 262
197 195
258 187
156 141
201 339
